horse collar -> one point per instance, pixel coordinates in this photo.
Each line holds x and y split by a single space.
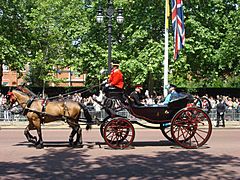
28 104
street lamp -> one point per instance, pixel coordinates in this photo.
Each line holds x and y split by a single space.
1 12
110 13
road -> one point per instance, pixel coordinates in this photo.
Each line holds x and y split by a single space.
151 157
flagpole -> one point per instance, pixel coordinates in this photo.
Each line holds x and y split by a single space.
165 81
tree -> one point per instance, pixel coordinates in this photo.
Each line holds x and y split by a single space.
137 44
212 27
13 35
61 33
55 27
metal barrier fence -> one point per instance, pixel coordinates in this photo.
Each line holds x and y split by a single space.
230 115
5 115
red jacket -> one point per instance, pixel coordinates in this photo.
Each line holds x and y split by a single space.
116 78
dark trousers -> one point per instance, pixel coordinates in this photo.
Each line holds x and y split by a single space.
220 117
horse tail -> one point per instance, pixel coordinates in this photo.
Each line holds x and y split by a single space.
87 116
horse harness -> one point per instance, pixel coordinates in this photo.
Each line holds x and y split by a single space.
28 104
42 114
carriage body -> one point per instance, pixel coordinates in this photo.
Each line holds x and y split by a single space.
179 121
158 113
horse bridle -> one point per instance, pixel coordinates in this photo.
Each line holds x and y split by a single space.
12 99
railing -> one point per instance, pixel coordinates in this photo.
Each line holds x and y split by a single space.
230 115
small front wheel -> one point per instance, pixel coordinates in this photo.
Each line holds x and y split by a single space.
119 133
166 131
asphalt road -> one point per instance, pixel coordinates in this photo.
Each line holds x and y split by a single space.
151 157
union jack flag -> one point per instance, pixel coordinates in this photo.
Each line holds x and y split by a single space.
178 26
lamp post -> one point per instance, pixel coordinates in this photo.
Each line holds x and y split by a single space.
1 12
110 14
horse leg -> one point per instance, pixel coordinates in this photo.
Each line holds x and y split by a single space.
39 143
30 138
79 137
74 131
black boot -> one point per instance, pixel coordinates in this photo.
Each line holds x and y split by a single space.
217 124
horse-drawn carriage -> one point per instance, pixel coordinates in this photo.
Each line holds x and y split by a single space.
180 122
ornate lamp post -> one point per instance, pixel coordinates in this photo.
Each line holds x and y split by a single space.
110 13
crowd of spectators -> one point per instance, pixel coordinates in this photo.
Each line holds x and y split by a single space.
5 113
232 103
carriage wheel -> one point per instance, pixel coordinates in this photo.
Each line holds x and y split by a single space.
108 103
102 127
119 133
113 103
191 128
103 124
166 131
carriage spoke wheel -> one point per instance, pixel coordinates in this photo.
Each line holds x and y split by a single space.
119 133
113 103
102 127
191 128
103 124
108 103
166 131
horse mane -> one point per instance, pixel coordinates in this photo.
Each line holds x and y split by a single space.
26 90
20 92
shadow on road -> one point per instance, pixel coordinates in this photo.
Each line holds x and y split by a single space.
67 163
65 143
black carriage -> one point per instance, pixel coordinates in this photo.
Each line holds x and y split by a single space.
180 121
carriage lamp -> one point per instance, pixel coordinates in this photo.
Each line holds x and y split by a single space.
110 14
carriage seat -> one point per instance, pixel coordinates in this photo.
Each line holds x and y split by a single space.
115 93
157 113
178 103
132 104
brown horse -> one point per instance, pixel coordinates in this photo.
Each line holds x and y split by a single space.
39 111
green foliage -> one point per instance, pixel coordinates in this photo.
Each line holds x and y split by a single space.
212 44
50 33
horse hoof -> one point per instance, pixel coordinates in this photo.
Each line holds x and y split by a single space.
33 140
70 144
77 144
39 146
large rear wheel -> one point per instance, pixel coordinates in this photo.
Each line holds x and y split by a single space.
191 128
119 133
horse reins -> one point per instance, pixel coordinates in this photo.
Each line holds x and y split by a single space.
77 91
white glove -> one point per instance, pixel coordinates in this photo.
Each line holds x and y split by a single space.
105 81
107 85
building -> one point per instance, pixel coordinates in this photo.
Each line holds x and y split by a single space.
69 77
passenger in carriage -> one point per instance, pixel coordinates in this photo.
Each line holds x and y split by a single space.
172 94
135 96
